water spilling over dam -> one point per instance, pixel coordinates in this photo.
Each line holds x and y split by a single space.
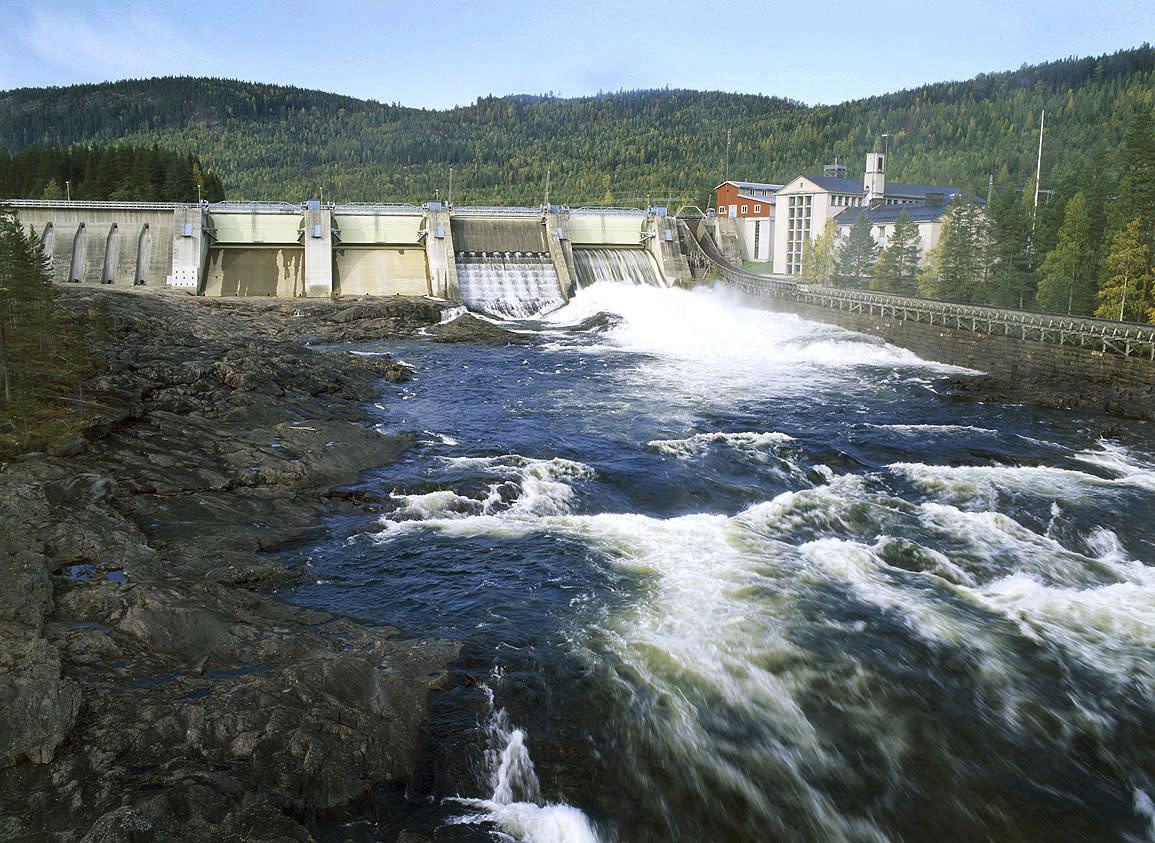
622 266
508 284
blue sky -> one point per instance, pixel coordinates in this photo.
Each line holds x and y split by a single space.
439 55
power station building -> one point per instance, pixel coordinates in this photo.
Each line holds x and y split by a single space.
796 213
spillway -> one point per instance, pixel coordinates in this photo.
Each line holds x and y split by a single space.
515 285
621 266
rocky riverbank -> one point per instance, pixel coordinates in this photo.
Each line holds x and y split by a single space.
151 688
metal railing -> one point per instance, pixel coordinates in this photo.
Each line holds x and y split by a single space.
379 208
609 212
495 211
96 204
1126 339
233 207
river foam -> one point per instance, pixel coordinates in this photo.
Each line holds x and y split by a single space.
858 647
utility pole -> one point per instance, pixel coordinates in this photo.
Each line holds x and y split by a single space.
990 187
450 200
322 197
1039 165
547 188
726 166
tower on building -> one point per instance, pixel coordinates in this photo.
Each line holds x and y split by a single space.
874 182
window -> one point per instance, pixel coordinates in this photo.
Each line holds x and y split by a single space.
757 238
744 207
797 231
757 209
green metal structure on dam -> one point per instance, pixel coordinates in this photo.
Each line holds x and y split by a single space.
314 250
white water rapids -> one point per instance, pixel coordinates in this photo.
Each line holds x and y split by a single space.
747 663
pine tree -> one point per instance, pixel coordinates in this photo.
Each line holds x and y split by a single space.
26 295
819 258
897 267
858 254
1137 196
1125 293
964 252
1011 281
52 191
1065 282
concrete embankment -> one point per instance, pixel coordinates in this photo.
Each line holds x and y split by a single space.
151 688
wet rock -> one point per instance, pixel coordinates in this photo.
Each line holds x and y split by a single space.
469 328
148 690
1113 399
124 825
69 447
599 323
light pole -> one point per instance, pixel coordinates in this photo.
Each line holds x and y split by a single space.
67 190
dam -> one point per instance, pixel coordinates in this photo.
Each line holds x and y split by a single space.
508 262
512 262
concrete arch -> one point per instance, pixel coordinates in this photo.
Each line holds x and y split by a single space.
111 255
79 250
48 244
143 255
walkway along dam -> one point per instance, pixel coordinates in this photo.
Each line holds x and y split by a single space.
520 262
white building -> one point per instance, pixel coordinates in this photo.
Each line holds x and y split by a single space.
927 217
806 204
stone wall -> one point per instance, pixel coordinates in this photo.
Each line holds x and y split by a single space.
1007 357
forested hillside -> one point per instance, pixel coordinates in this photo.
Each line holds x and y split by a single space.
269 141
119 173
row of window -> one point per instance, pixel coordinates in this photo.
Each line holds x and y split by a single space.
843 200
799 211
745 209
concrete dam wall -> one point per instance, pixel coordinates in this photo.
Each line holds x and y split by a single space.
505 261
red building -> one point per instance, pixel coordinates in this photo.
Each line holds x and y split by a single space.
745 199
750 207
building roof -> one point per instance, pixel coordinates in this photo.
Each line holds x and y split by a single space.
887 214
766 200
912 190
750 185
834 184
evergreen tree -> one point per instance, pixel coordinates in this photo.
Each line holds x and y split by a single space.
52 191
1011 281
1125 293
1065 282
858 254
26 295
1137 197
819 258
897 267
962 265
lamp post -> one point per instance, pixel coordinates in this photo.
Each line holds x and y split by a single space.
67 190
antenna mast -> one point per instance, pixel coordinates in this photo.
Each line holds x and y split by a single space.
1039 165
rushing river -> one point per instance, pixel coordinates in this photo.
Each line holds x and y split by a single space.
722 574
